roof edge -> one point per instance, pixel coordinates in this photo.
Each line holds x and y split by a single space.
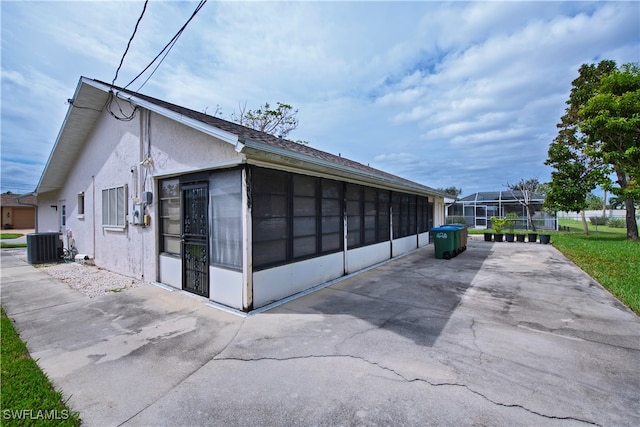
225 136
57 143
371 177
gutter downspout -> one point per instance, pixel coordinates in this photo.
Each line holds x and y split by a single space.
93 213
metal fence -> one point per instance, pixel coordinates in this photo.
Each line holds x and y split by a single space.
520 223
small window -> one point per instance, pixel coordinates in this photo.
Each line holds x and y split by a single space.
225 189
404 214
81 205
63 215
423 214
353 194
114 207
170 213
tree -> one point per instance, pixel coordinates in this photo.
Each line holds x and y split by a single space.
453 192
594 202
576 175
523 192
278 121
599 134
543 188
610 119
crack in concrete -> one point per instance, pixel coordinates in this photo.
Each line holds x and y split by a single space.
408 380
189 375
564 332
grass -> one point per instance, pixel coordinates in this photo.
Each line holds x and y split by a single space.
12 245
10 235
605 254
28 398
4 236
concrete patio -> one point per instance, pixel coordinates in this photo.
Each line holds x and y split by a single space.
504 334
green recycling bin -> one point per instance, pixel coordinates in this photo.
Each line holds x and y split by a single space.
446 241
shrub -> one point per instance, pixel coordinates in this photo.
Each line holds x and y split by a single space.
617 223
455 219
499 223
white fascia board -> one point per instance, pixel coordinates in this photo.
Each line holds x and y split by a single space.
364 175
192 123
40 188
207 167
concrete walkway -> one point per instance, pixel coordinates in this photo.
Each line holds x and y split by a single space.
505 334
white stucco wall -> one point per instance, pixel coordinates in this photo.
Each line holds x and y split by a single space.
112 157
423 239
280 282
177 148
363 257
170 271
226 287
403 245
47 212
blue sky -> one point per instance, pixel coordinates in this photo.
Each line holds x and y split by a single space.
463 94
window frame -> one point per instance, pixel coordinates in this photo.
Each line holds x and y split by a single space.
81 208
162 202
219 219
404 214
423 214
373 212
316 206
120 212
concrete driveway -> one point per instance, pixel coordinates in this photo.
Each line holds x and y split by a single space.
505 334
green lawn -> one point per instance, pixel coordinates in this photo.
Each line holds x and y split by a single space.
10 235
27 395
12 245
605 254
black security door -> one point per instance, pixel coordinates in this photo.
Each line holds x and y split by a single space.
195 254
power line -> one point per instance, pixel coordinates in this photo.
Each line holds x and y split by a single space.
129 43
164 52
166 48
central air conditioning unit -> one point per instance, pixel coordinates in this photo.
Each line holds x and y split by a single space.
44 247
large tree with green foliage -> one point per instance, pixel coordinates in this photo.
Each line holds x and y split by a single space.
598 135
611 121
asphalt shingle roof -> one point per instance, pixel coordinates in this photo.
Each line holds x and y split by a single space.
245 133
11 199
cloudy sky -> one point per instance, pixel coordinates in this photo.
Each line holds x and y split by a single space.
463 94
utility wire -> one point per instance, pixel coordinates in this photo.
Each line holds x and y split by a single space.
129 43
167 48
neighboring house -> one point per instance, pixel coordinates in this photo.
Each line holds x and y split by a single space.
478 208
159 192
18 211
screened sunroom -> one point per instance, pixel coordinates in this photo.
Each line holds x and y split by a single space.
477 209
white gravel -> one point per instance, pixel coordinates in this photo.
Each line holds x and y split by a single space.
88 279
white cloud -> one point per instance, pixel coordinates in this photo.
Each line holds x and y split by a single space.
396 157
431 91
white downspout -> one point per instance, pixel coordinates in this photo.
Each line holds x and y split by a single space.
247 244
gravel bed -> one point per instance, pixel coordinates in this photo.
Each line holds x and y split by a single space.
88 279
